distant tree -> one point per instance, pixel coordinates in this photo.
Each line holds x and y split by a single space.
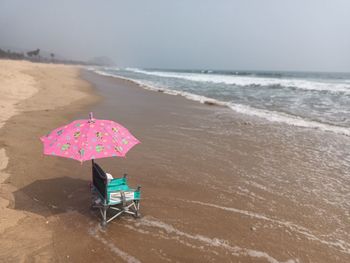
10 55
33 53
52 56
3 53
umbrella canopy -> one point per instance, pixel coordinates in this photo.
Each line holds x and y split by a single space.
89 139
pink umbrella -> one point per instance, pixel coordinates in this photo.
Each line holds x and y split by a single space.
89 139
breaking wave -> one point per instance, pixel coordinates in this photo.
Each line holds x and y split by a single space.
269 115
243 81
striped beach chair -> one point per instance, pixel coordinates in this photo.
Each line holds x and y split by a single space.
113 196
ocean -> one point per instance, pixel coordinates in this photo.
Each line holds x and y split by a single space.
305 99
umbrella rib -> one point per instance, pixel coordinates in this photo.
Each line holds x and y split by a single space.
83 140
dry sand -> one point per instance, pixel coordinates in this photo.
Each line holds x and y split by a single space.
217 186
29 87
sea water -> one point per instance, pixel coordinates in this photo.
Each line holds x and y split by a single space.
304 99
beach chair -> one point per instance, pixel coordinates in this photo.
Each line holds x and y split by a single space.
113 196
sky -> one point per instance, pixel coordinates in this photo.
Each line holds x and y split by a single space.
301 35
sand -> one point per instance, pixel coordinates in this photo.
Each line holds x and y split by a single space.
29 87
216 186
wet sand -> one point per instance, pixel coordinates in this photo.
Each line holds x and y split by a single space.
217 186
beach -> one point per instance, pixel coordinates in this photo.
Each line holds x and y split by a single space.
30 94
217 186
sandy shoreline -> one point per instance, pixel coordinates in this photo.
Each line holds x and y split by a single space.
217 186
28 87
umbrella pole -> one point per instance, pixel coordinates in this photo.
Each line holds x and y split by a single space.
92 168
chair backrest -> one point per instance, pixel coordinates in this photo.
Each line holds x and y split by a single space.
99 179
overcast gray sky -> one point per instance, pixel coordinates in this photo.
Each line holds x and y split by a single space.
216 34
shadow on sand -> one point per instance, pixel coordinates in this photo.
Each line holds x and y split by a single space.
54 196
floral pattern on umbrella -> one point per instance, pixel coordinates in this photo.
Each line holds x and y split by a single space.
88 139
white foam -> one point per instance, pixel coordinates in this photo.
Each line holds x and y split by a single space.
339 245
251 81
149 86
102 72
288 119
125 256
268 115
214 242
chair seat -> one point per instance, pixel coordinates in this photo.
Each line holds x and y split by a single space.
116 197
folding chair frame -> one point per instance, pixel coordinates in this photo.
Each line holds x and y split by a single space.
101 201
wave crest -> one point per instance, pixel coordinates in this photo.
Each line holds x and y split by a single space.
251 81
269 115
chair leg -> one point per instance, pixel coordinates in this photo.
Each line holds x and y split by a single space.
104 216
122 195
137 209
